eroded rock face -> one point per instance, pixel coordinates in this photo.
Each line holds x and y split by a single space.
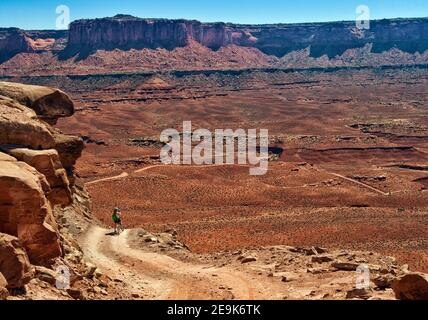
334 38
25 211
211 35
48 103
47 162
19 125
12 42
126 32
331 39
33 178
14 263
388 41
69 149
413 286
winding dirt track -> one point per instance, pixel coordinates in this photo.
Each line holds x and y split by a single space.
122 175
157 276
364 185
118 177
126 174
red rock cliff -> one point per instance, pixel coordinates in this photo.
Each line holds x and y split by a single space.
127 32
331 39
36 167
12 42
334 38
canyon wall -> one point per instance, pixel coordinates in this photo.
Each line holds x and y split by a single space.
211 35
334 38
126 32
36 167
12 42
389 41
331 39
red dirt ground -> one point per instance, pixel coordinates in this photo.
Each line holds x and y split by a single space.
352 175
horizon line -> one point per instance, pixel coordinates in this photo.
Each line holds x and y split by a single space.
227 23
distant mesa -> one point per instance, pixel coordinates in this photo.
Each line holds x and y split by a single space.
125 32
331 39
128 32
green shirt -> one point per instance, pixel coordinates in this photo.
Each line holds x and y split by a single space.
116 217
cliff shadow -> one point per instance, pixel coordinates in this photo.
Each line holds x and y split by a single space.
7 56
81 53
78 54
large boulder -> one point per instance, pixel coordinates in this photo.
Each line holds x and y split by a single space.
19 125
47 162
48 103
14 263
412 286
25 211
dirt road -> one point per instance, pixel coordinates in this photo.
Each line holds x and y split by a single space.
157 276
126 174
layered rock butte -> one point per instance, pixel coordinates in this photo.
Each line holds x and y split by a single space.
128 32
123 32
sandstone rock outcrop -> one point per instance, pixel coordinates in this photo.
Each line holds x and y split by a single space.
413 286
34 173
14 263
48 103
26 212
18 120
69 149
16 124
47 162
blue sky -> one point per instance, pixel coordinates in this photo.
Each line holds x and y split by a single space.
41 14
